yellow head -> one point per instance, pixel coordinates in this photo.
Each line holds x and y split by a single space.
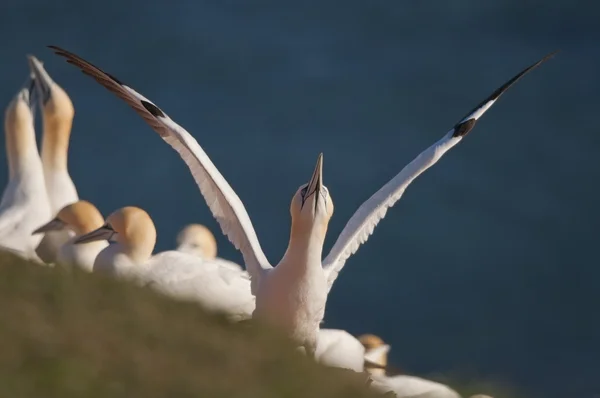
198 240
81 217
132 228
376 351
312 206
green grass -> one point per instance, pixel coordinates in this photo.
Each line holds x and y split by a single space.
65 333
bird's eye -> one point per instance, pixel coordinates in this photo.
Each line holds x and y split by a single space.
303 192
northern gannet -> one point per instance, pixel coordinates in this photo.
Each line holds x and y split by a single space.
291 295
402 385
79 218
57 116
24 204
179 275
197 240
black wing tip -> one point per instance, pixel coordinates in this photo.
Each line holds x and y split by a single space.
72 59
463 128
153 109
466 124
517 77
550 55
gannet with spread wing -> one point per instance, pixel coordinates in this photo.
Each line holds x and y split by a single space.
293 294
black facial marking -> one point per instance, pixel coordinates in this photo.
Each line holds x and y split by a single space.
462 129
153 109
303 196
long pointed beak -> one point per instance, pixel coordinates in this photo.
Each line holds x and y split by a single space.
54 225
28 94
43 81
316 181
105 232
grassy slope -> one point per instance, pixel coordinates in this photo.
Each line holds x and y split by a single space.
65 334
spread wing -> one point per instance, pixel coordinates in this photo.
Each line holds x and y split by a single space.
223 202
363 222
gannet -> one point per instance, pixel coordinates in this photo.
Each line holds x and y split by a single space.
57 116
80 218
402 385
177 274
196 239
24 205
291 295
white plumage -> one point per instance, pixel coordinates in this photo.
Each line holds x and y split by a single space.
179 275
293 294
24 204
57 117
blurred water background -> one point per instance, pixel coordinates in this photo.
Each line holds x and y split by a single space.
486 268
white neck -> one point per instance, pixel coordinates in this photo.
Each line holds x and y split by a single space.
22 153
305 248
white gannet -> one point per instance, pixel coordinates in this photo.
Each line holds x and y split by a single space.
177 274
57 116
291 295
24 204
338 348
402 385
80 218
196 239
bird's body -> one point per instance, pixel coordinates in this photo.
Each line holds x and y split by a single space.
405 386
24 205
218 288
293 294
338 348
81 256
292 297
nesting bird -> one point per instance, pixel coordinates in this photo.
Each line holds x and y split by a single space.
197 240
78 218
177 274
338 348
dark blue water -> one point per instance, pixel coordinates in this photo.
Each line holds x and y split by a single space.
488 265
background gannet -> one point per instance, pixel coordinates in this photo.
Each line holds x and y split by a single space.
80 218
375 353
177 274
293 294
402 385
57 115
24 204
197 240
